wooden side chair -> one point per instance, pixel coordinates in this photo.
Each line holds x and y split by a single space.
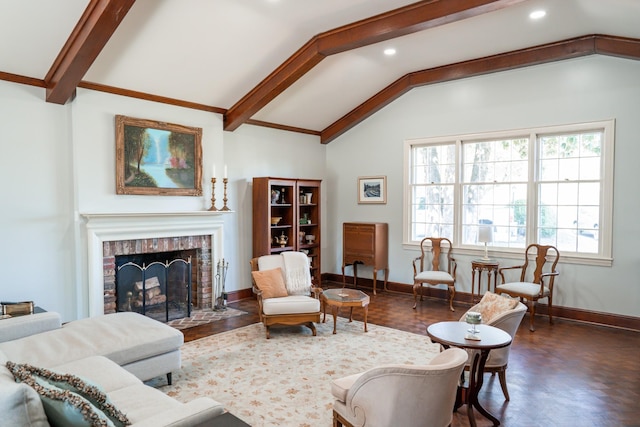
541 281
435 266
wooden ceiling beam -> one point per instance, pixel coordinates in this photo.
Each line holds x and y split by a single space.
403 21
571 48
274 84
622 47
99 21
396 23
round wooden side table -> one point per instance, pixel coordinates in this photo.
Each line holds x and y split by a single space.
454 334
479 265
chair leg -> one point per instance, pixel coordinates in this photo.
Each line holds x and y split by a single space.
502 375
532 306
267 331
550 310
311 326
452 292
339 421
415 294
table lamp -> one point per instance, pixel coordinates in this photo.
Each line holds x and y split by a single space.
485 235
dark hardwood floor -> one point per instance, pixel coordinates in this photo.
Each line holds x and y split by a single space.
566 374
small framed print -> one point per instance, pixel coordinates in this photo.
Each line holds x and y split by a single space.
372 189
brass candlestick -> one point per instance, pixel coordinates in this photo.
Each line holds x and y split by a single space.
225 207
213 195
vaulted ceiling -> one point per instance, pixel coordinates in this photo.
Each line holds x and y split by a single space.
308 66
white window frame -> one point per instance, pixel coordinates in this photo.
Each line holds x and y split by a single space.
604 255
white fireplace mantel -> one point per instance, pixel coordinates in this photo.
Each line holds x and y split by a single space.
105 227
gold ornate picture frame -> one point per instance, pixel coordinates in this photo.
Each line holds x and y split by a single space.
157 158
372 189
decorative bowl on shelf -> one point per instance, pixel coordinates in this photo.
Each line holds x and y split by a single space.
275 220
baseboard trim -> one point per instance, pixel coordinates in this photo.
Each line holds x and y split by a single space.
580 315
240 294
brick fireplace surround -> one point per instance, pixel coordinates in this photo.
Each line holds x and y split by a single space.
110 235
202 292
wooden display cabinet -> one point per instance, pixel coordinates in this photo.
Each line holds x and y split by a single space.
297 203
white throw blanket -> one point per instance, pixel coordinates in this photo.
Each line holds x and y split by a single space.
298 276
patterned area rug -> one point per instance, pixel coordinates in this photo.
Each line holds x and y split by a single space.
204 316
286 380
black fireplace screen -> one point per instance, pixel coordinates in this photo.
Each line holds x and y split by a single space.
159 289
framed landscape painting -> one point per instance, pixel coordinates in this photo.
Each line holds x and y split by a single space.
157 158
372 189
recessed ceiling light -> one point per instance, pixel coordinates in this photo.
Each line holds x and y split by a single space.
537 14
390 51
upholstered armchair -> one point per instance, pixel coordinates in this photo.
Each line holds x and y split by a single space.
435 266
283 287
400 395
503 313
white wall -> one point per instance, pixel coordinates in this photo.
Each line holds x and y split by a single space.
580 90
36 219
60 160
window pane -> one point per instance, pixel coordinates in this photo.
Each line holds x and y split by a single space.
434 164
494 190
589 193
432 213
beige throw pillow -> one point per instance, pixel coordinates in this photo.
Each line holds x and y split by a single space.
492 305
270 282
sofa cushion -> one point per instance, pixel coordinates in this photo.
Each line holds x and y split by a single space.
270 282
492 305
293 304
100 370
23 326
144 405
124 337
141 402
69 400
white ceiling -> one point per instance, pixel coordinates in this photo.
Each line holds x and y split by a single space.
214 52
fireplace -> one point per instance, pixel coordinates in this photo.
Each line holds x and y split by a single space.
113 235
157 285
147 251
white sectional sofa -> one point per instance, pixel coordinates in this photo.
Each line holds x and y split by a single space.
115 352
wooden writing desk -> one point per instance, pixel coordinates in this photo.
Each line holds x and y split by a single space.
366 243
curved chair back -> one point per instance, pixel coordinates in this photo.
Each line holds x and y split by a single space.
541 281
402 395
436 251
542 255
508 321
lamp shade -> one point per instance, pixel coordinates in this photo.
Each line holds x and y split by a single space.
485 234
